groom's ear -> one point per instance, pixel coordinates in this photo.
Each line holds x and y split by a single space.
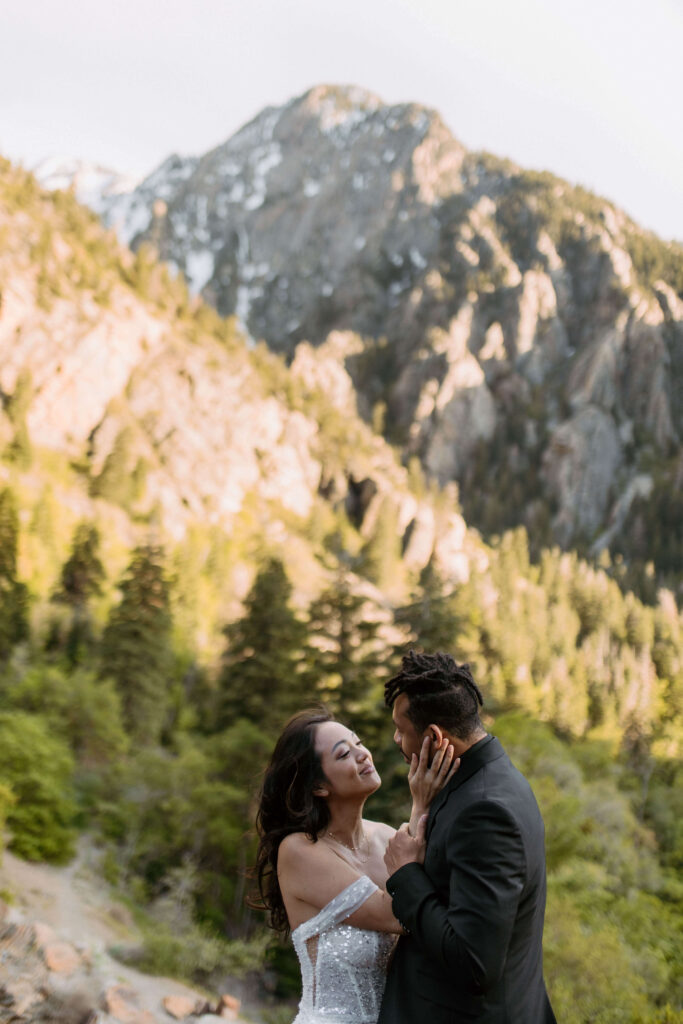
436 735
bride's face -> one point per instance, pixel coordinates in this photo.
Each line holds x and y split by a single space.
346 763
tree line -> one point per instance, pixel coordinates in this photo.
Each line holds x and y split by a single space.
114 726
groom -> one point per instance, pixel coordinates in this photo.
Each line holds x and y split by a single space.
472 905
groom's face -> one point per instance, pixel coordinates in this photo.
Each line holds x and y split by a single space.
406 736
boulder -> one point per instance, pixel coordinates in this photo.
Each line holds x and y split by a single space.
21 995
179 1006
43 935
120 1003
61 957
229 1007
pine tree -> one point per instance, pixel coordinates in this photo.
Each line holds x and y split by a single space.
381 555
13 594
83 573
17 405
262 678
136 645
430 615
440 617
120 480
347 657
81 579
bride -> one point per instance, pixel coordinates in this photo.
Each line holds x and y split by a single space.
320 867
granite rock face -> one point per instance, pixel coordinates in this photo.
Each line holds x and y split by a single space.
498 315
307 217
192 427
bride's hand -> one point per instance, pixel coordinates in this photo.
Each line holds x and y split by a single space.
426 778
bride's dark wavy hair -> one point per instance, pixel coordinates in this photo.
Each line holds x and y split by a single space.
288 804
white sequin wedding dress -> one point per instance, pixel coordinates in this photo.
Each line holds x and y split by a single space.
343 969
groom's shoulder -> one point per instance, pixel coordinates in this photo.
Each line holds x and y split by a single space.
497 782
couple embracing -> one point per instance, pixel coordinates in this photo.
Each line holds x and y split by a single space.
440 922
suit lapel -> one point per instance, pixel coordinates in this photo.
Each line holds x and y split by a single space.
483 752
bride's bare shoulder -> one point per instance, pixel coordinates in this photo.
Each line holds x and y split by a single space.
295 846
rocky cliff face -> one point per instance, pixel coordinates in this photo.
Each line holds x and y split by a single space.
307 217
172 416
517 333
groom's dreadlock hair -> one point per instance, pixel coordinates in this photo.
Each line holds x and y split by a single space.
439 692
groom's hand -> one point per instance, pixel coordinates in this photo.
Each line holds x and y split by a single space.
403 848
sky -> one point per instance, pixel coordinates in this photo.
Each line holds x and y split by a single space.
589 89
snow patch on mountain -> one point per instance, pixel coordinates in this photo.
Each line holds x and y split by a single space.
93 184
199 268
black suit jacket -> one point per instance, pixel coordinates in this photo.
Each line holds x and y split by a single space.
474 911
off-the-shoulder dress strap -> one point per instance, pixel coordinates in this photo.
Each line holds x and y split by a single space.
338 909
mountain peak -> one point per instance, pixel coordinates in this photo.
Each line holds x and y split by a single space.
513 326
338 101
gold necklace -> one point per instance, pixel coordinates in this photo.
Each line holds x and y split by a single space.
355 850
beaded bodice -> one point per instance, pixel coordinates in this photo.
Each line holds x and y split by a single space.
343 969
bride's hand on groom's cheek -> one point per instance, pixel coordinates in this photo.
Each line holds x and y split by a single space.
426 777
404 849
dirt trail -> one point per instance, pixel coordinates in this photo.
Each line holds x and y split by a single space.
76 903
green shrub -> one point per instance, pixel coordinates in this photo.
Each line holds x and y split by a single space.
7 800
590 972
38 767
195 954
82 709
